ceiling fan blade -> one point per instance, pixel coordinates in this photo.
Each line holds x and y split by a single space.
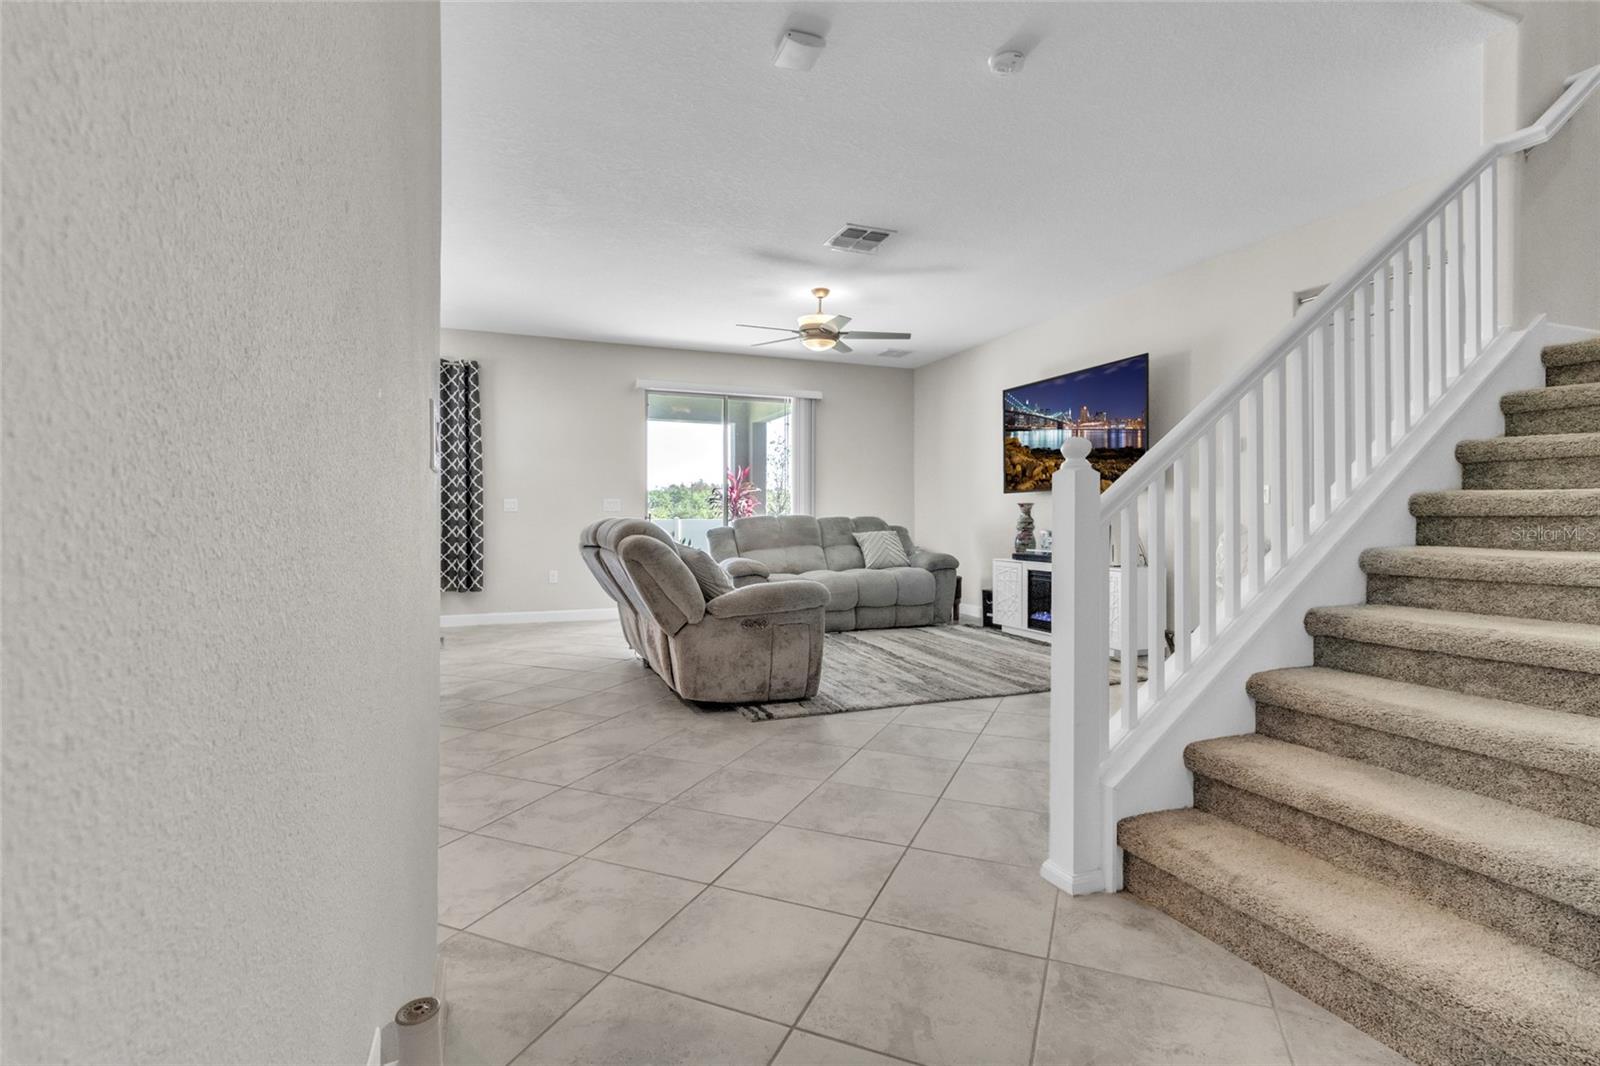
780 329
836 323
841 346
775 340
862 334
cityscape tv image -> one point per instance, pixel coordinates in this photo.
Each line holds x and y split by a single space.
1109 404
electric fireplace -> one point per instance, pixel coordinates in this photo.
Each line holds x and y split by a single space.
1039 600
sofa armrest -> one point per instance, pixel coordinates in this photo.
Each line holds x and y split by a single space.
933 560
768 598
745 571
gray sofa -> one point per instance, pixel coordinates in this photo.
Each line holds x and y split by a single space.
749 645
784 548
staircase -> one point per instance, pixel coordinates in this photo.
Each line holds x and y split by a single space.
1411 837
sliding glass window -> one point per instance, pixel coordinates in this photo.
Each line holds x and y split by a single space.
711 459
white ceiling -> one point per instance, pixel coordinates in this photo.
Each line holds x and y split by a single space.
641 173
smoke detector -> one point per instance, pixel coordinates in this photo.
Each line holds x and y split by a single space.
798 50
1006 64
863 240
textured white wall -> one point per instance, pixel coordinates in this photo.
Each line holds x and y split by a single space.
1555 190
1198 325
220 299
564 428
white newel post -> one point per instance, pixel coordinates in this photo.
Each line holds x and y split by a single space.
1080 709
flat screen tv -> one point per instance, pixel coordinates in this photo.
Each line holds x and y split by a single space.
1109 404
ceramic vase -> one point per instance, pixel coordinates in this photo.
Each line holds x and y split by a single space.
1024 541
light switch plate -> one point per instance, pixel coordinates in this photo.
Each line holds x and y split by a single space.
510 503
611 505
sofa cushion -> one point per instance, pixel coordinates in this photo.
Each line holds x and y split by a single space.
788 544
914 586
877 588
843 592
839 544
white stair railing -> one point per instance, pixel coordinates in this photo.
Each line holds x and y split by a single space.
1238 489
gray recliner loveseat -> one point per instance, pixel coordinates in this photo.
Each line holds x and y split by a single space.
750 645
787 548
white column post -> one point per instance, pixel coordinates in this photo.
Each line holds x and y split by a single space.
1079 688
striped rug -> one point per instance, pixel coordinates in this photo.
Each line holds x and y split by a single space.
928 664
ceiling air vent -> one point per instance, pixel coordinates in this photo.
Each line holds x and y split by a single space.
862 239
894 353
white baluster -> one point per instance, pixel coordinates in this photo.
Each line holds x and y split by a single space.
1403 348
1180 564
1280 465
1318 380
1230 514
1304 475
1491 232
1128 618
1340 414
1473 265
1456 303
1156 603
1207 588
1358 387
1255 486
1420 313
1382 431
1079 698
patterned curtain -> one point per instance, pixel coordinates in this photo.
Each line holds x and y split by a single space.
460 478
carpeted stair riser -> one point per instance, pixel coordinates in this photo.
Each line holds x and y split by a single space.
1537 789
1423 1035
1573 374
1572 364
1541 532
1553 409
1549 925
1562 690
1555 603
1571 473
1555 420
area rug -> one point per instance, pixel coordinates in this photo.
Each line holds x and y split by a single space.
873 668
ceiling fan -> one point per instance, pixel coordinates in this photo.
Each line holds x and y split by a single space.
821 332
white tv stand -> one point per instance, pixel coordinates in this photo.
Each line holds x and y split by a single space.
1010 582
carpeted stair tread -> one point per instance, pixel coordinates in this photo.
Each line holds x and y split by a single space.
1551 398
1512 995
1530 448
1550 857
1531 641
1572 354
1511 503
1549 740
1519 566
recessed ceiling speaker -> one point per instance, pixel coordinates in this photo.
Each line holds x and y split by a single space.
798 50
1006 64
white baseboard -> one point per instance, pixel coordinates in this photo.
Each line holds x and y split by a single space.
1080 885
971 613
509 618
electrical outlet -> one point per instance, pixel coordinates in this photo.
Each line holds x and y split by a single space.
555 576
510 503
611 505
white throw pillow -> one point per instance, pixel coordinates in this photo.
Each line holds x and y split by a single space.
881 548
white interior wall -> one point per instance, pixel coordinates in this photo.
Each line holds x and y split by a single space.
564 429
220 301
1199 325
1551 197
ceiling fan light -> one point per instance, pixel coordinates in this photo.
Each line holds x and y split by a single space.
818 344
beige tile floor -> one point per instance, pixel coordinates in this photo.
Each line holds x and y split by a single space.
626 879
